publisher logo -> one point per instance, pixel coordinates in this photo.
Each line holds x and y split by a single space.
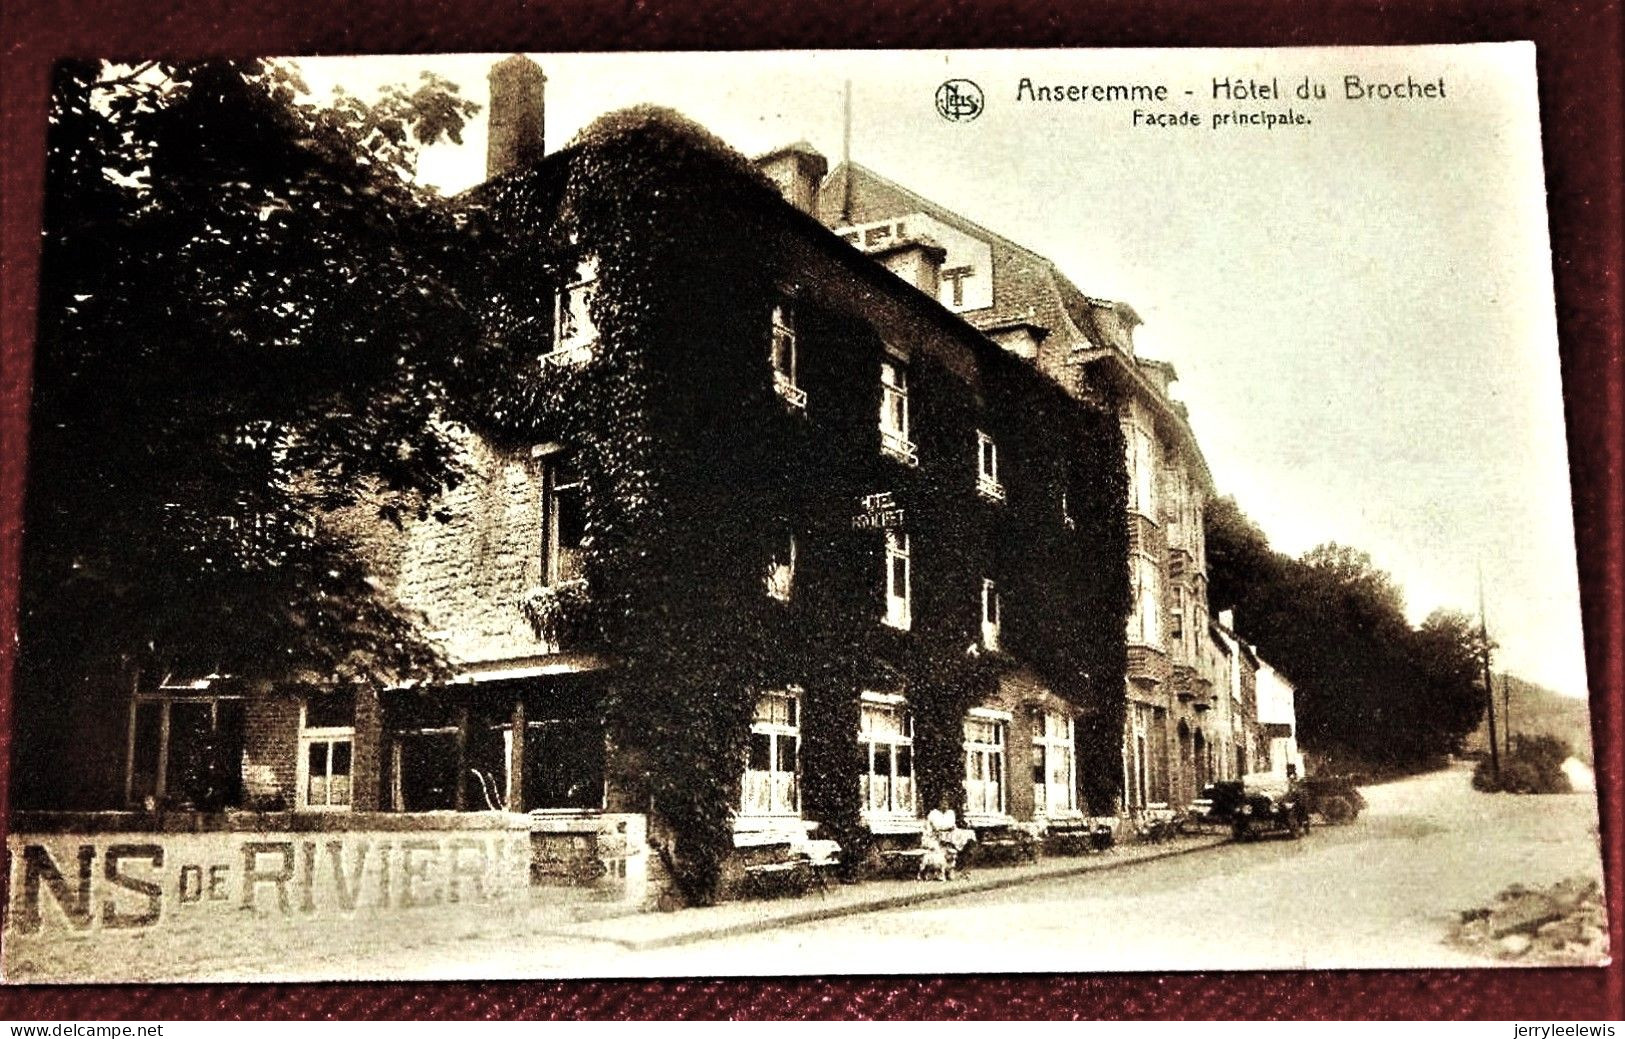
959 100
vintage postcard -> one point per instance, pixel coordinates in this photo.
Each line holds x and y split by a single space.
798 513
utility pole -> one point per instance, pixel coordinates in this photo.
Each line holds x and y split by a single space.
1489 686
1506 713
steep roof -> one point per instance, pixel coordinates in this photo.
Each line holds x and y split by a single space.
1027 289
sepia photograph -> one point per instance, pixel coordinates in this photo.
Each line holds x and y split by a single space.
645 515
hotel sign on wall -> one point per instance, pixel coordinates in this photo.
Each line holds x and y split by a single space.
967 270
878 512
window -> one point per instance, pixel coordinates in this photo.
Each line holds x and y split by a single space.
987 468
886 737
984 763
990 614
897 580
573 330
424 758
1136 759
1142 472
783 356
185 750
1054 775
771 785
781 569
563 522
1145 624
1176 620
326 751
894 439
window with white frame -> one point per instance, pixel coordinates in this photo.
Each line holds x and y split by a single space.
886 739
1145 472
573 330
987 468
563 521
1054 764
782 354
326 751
772 785
894 439
781 569
1145 624
990 613
898 613
984 762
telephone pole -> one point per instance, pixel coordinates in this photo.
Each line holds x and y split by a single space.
1506 713
1489 685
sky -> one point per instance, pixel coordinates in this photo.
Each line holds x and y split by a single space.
1359 306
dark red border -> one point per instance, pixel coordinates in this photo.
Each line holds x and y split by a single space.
1580 70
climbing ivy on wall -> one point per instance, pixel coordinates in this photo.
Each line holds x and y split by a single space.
696 472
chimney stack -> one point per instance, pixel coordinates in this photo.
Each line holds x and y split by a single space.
516 137
797 169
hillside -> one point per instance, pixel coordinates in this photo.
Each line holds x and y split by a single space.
1536 709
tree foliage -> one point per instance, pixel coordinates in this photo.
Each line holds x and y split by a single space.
1369 685
248 320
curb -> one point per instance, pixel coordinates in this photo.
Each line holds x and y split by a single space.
934 894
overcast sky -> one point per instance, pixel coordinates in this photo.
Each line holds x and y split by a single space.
1360 308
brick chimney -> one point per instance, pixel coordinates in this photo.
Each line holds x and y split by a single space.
516 139
797 169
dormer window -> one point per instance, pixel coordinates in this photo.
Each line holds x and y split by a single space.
574 333
990 614
782 354
987 468
781 569
894 439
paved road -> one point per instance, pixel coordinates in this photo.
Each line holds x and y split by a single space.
1379 893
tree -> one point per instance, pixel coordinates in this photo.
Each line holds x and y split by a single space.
1369 685
1450 646
248 318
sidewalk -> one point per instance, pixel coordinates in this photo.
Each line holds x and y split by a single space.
643 931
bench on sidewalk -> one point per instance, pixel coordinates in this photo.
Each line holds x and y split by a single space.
1001 839
896 847
1156 823
786 863
1074 835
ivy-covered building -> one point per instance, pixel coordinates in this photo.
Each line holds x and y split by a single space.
1022 301
769 541
756 539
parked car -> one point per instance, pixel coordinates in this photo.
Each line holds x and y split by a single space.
1264 802
1334 798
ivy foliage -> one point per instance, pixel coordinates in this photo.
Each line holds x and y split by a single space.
698 473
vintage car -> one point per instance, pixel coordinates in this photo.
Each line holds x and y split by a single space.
1334 798
1263 802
